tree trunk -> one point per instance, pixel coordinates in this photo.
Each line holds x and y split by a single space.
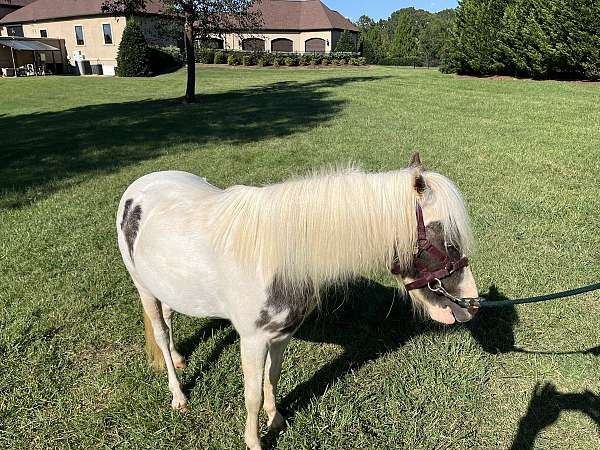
190 90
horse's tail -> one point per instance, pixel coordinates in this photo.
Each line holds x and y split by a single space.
155 356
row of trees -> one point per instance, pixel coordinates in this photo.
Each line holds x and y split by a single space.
530 38
408 37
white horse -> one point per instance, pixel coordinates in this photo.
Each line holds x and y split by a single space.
259 256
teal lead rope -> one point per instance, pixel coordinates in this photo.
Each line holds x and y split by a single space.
484 303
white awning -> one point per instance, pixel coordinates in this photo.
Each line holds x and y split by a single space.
27 45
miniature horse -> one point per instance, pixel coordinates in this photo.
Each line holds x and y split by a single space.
260 256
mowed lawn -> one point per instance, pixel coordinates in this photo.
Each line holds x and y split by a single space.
364 373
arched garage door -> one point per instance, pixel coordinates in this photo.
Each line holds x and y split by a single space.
282 45
253 44
315 45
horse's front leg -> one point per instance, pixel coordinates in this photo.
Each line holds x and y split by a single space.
254 352
272 372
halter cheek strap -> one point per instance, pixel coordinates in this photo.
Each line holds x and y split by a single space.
426 276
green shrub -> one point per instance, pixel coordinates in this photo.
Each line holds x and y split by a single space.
133 58
290 61
232 60
343 62
163 59
325 61
205 55
219 57
264 59
175 52
276 61
247 60
314 61
302 61
362 60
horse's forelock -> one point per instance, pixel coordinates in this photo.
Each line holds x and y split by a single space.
448 206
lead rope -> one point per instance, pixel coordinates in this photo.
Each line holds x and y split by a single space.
481 302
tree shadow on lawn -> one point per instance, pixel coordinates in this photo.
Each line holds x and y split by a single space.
45 151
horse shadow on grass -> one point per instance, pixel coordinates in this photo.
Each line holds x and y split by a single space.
49 151
368 320
545 407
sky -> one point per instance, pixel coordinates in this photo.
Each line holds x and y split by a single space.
382 9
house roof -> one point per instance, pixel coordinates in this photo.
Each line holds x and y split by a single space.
15 3
282 15
51 9
300 15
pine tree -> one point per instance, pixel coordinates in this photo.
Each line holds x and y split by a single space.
475 36
133 58
345 43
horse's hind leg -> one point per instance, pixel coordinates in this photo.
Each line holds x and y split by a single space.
178 359
153 310
272 372
254 352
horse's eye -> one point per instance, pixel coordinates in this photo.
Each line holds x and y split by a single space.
450 246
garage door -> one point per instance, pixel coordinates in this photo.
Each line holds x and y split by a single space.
253 44
315 45
282 45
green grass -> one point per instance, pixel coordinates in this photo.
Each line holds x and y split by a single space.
525 154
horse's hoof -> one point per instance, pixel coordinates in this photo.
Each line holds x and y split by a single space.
179 405
180 364
254 447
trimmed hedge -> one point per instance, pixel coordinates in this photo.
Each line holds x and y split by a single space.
206 55
164 59
264 59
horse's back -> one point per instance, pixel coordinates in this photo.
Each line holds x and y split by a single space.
167 185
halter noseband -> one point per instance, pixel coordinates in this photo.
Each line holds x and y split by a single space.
426 277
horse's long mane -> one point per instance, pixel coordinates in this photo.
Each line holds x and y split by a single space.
332 226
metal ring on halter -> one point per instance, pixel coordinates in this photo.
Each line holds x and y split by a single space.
438 288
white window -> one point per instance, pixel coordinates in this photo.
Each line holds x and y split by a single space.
79 35
107 32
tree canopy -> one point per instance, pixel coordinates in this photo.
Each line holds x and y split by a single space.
408 37
530 38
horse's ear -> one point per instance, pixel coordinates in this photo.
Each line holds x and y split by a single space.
415 162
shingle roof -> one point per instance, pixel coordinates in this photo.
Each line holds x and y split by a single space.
15 3
283 15
52 9
299 15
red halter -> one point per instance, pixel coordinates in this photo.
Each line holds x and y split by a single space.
448 265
